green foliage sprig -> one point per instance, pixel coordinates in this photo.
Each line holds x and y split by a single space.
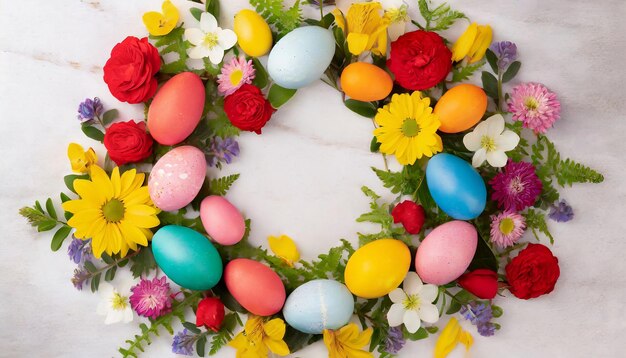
439 18
274 12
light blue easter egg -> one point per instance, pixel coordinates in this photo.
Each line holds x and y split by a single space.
301 57
456 186
318 305
187 257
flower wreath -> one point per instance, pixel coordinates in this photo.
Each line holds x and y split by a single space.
458 244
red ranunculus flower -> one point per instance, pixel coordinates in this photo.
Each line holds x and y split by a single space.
410 215
210 313
128 142
482 283
247 109
533 272
419 60
130 70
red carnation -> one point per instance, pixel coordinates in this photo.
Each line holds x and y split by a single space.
482 283
130 70
419 60
533 272
128 142
210 313
410 215
247 109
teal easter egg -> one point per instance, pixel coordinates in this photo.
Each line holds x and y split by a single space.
318 305
456 186
187 257
301 57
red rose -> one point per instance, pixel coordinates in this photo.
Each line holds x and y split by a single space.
419 60
128 142
410 215
210 313
533 272
482 283
130 70
247 109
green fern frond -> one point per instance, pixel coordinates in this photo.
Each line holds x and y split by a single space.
283 20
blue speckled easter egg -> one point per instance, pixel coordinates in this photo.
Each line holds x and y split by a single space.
318 305
187 257
456 186
301 57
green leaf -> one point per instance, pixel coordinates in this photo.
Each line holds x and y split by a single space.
490 84
536 221
143 262
173 43
484 257
90 267
261 76
493 60
279 95
432 329
439 18
110 274
213 8
496 311
283 20
191 327
50 209
222 127
374 145
220 186
460 74
46 226
510 73
92 132
69 180
200 346
196 13
95 282
365 109
60 236
64 197
109 116
420 334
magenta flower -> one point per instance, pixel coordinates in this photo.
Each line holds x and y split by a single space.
151 298
517 187
507 228
535 106
235 74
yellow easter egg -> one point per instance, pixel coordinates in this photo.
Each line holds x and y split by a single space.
253 33
377 268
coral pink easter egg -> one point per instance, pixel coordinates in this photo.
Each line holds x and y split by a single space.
446 252
255 286
176 109
221 220
177 178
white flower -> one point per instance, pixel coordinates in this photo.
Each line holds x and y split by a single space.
115 303
396 13
413 304
489 141
209 40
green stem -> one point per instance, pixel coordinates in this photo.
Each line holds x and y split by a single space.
384 156
115 263
100 121
499 104
321 10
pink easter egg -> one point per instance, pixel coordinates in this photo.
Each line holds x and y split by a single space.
446 252
221 220
177 177
255 286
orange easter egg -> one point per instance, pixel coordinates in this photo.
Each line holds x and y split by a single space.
461 107
365 82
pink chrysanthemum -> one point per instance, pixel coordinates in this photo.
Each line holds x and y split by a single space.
517 187
535 106
151 298
506 228
234 74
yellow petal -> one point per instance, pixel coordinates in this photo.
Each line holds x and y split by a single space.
159 24
116 182
285 248
462 46
277 346
275 328
483 40
101 181
357 43
448 339
340 21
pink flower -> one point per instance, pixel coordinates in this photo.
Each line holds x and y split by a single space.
517 187
234 74
535 106
151 298
507 228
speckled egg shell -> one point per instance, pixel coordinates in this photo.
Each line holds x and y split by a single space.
255 286
177 178
221 220
446 252
318 305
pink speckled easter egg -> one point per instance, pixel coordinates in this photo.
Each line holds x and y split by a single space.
255 286
446 252
221 220
177 178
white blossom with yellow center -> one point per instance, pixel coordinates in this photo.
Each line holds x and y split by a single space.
115 303
412 304
209 40
489 141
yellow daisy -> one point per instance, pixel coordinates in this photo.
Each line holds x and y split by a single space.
408 128
116 213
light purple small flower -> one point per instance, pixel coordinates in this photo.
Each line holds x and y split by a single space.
151 298
89 109
79 250
183 343
480 315
81 276
561 212
222 150
395 340
506 53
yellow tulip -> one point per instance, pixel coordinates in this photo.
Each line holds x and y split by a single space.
365 28
160 24
80 159
348 342
259 338
285 248
473 43
450 337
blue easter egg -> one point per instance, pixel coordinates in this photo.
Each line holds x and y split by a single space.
301 57
187 257
318 305
456 186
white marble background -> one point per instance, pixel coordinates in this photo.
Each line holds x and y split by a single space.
302 176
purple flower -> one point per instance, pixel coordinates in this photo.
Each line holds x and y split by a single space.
81 276
395 340
89 109
517 187
183 343
506 53
151 298
480 315
561 212
79 250
222 150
